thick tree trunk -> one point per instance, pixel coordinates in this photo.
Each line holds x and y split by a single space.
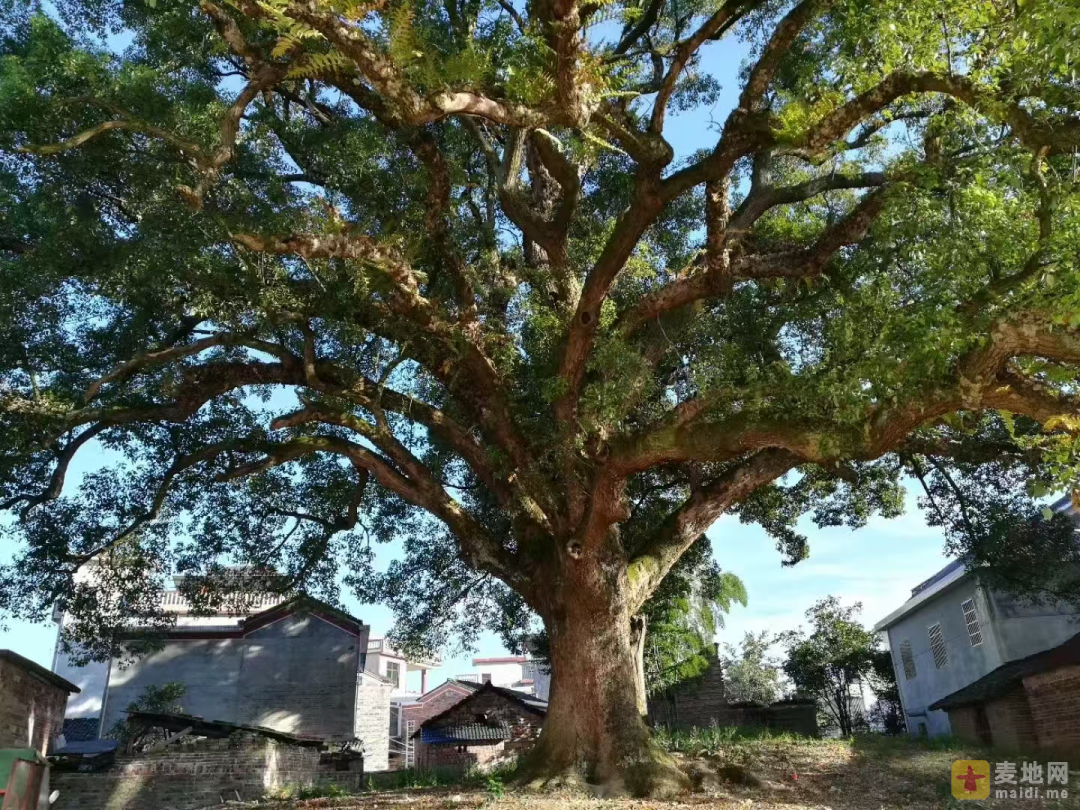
595 733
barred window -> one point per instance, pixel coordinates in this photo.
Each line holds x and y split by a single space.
937 645
971 619
907 660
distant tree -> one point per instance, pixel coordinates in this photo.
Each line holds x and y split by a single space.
165 699
887 713
833 661
749 672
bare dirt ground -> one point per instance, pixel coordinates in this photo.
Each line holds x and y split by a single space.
867 773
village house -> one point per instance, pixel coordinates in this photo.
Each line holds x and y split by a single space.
955 631
491 725
413 714
522 673
32 704
1033 702
298 666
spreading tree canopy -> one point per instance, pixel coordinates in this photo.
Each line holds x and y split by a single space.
279 277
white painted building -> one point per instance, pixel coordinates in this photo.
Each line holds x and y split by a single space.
384 660
518 672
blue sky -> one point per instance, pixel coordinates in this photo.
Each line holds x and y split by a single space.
877 565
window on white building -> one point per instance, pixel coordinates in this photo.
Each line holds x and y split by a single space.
486 677
971 619
937 645
393 671
907 659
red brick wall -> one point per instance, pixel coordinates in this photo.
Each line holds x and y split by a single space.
1010 721
697 702
437 703
31 710
964 724
702 702
1055 708
461 757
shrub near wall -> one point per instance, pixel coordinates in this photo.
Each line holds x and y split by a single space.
191 776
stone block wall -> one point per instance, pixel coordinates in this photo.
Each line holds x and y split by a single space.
372 723
1054 699
182 777
31 708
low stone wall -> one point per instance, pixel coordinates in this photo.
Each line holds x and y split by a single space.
205 773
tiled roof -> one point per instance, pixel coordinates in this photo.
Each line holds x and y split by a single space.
1001 680
300 603
526 701
215 729
38 671
470 732
79 729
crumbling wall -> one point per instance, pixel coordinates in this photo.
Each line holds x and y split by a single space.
373 720
245 766
702 702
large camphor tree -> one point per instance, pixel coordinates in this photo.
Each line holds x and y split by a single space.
278 277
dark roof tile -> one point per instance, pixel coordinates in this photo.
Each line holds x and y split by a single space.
470 732
80 729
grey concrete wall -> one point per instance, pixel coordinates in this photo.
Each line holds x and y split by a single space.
91 680
296 675
965 663
209 668
299 675
1024 629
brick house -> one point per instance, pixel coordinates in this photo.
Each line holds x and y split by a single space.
298 666
436 701
32 703
1033 702
491 725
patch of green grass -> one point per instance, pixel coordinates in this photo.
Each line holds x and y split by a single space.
327 791
491 780
714 739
